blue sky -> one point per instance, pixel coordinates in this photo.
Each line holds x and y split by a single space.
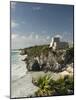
35 24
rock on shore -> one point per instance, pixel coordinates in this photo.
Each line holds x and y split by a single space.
44 59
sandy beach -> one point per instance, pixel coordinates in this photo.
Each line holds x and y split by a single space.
23 86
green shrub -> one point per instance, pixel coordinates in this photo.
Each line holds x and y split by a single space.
69 56
48 86
37 50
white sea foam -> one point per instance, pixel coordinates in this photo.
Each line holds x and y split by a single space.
18 67
18 71
16 51
21 81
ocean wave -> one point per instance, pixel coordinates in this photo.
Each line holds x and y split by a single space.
18 67
18 70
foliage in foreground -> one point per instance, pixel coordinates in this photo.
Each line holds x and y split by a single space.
49 87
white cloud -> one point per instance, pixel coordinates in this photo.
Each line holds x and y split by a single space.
13 5
37 37
22 41
23 37
19 41
48 37
14 24
14 36
58 36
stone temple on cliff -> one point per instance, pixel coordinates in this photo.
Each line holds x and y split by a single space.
57 44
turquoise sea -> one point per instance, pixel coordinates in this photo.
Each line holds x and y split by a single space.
18 67
15 58
21 79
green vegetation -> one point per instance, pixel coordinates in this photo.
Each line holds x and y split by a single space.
49 87
69 56
36 50
44 49
43 58
49 59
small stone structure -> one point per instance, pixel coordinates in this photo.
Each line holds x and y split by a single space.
57 44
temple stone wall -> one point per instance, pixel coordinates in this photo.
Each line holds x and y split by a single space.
57 44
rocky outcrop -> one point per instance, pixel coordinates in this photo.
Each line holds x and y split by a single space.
36 66
50 60
23 52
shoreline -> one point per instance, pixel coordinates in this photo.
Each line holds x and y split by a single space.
21 83
24 87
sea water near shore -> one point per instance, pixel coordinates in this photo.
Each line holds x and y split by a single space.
21 80
17 65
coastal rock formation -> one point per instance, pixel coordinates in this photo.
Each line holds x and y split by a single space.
36 66
48 60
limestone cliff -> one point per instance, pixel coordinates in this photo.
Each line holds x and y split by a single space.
42 58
